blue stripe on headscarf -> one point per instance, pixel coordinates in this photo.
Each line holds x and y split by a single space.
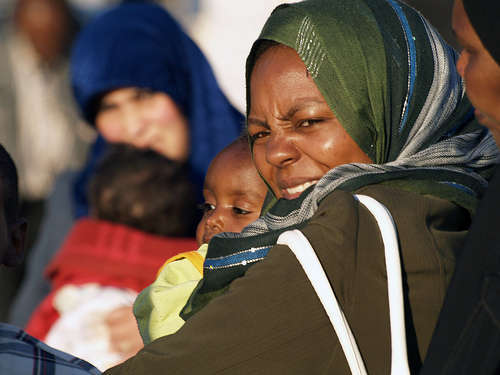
461 187
412 60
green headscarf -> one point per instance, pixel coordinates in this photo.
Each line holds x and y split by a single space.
387 76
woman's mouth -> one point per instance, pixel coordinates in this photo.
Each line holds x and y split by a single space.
295 191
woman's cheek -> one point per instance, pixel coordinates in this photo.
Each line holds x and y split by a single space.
163 109
111 131
175 134
259 158
323 149
118 135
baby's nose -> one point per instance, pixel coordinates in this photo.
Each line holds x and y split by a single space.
216 222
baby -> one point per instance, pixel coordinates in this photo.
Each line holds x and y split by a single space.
234 194
142 209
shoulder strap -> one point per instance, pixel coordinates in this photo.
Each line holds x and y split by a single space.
309 261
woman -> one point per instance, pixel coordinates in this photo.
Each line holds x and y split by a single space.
343 97
139 79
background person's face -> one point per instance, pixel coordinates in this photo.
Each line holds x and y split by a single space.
479 70
46 25
144 119
297 138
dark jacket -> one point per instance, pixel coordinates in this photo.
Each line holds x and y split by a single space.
271 322
467 337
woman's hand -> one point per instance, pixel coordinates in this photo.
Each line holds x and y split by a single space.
123 332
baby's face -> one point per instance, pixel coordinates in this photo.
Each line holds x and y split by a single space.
234 194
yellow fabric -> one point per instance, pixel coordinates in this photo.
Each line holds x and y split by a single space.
194 257
157 307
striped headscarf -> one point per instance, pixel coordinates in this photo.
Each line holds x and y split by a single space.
391 81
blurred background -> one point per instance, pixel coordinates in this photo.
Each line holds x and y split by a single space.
39 124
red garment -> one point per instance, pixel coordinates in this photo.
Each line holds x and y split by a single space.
108 254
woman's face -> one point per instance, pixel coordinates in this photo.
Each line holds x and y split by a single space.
297 138
479 70
144 119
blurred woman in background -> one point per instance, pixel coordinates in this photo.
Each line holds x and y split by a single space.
140 80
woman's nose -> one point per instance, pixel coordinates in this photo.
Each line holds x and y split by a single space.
281 150
135 122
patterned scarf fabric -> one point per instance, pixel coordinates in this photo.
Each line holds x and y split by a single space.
391 81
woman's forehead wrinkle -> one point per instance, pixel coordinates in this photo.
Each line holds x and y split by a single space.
301 104
255 121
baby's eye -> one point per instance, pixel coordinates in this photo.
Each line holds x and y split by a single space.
206 207
240 211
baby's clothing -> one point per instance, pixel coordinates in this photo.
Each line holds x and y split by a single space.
100 267
82 312
158 306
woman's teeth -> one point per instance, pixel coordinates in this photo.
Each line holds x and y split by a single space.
300 188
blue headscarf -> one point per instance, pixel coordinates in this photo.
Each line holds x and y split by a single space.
141 45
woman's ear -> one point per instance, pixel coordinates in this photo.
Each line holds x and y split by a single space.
17 237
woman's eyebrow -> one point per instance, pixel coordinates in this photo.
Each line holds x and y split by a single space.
301 104
255 121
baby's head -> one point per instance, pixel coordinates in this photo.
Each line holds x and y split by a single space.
143 190
234 192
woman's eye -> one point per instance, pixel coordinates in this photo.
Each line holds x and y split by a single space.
105 107
143 94
259 135
240 211
309 122
206 207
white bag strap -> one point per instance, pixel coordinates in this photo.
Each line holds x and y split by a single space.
307 257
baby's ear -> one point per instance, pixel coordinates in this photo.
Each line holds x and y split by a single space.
17 236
